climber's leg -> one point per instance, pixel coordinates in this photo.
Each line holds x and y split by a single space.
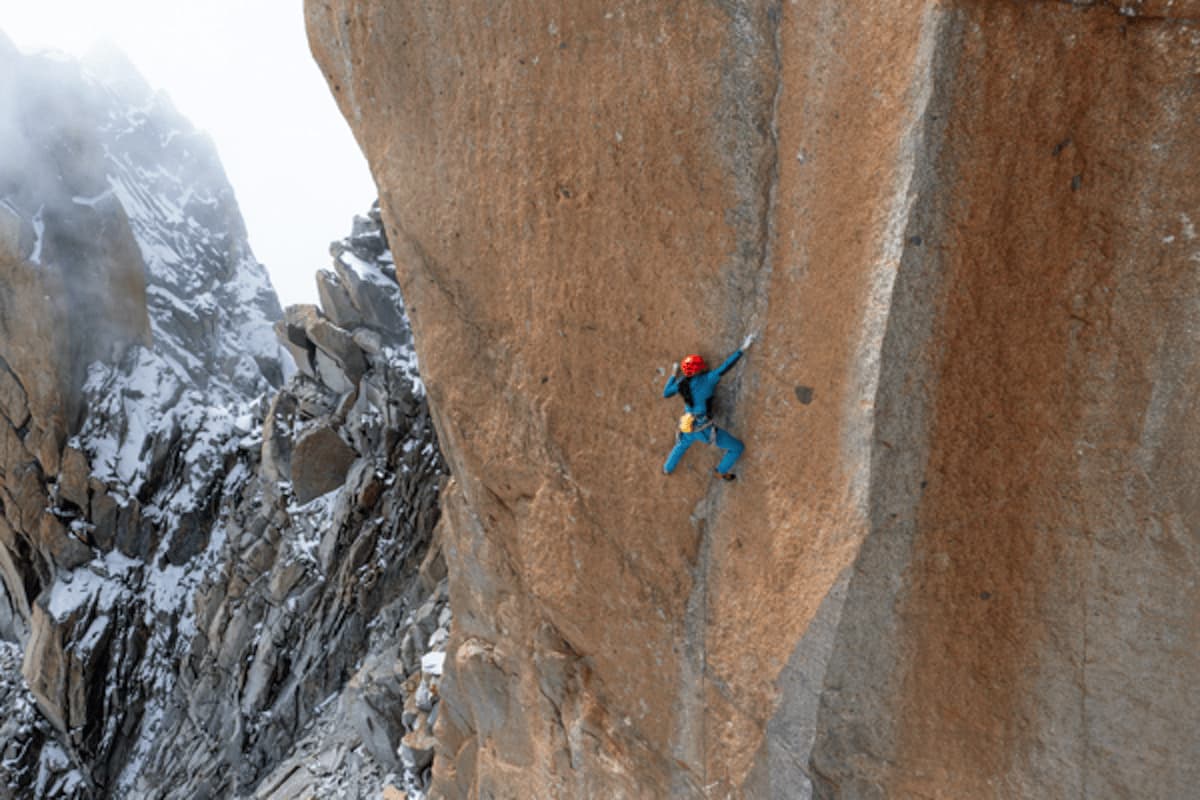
682 442
733 449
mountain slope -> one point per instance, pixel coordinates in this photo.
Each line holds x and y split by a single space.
196 559
119 430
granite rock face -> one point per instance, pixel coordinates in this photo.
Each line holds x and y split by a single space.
960 560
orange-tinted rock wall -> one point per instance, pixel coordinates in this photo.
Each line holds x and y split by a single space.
967 423
1037 589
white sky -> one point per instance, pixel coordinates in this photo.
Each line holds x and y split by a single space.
241 70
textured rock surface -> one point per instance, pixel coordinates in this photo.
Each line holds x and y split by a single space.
1043 512
356 746
961 561
33 763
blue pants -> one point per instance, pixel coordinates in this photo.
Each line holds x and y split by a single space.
712 435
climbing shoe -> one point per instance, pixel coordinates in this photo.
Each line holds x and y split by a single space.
725 476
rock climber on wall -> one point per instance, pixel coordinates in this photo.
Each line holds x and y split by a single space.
696 425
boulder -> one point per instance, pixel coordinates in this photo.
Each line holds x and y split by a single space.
66 654
320 461
340 346
24 495
366 239
73 478
66 549
370 341
331 374
345 405
336 302
296 343
374 294
104 515
376 701
301 316
314 400
12 449
292 334
417 749
137 535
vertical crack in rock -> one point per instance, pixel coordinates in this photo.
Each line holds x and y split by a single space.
752 88
759 299
747 131
767 264
689 749
896 346
905 193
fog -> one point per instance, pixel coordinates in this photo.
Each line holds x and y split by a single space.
242 72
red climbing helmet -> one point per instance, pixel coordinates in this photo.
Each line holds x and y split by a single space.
692 365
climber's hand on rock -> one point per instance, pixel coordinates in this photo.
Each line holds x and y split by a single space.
749 341
674 369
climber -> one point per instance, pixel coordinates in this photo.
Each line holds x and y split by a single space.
696 425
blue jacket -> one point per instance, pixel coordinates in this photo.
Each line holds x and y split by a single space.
702 385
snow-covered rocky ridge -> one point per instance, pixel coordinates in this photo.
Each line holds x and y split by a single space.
312 633
210 303
192 562
135 347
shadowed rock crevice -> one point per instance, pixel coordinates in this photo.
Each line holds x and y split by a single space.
752 85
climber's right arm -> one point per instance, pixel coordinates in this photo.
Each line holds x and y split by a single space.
729 362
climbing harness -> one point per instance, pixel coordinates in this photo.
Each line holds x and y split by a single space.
691 423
